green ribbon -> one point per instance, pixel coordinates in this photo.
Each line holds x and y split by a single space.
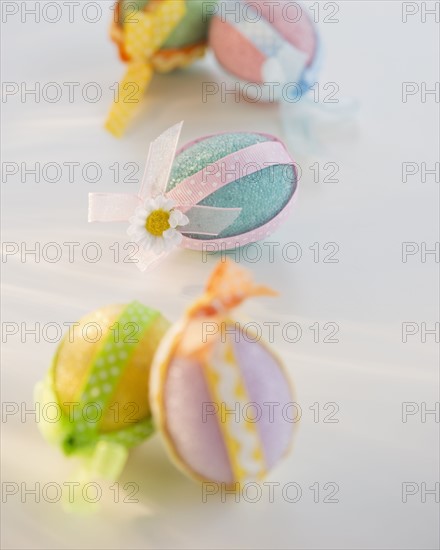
80 431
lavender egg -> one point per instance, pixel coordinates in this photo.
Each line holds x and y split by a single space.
214 414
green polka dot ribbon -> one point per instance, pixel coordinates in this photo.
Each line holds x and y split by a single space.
109 363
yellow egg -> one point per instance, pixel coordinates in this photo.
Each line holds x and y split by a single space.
76 362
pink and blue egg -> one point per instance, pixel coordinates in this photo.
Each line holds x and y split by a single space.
258 42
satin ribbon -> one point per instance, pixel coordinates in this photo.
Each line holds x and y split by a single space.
203 220
142 36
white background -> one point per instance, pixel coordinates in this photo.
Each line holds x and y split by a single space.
369 293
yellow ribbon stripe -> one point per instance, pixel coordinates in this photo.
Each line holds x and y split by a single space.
142 37
242 440
130 91
145 36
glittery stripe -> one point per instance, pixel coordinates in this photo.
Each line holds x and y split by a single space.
230 243
216 175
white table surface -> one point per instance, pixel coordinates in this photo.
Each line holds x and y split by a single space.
369 293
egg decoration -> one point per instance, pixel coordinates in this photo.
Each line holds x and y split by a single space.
218 192
98 381
153 36
249 171
261 42
210 387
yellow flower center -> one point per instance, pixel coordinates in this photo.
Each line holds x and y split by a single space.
158 222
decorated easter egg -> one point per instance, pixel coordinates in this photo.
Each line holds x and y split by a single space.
183 37
251 172
211 389
218 192
259 42
100 376
153 36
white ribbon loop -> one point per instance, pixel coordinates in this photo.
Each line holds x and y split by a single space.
159 162
111 207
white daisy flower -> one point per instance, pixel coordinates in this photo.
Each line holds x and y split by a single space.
154 225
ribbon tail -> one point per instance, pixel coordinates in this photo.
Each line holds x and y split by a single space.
146 260
308 125
159 162
112 207
335 114
215 218
128 96
286 66
105 462
143 35
44 395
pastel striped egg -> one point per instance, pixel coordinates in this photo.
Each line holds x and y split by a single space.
253 172
103 365
248 35
186 41
215 414
153 36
